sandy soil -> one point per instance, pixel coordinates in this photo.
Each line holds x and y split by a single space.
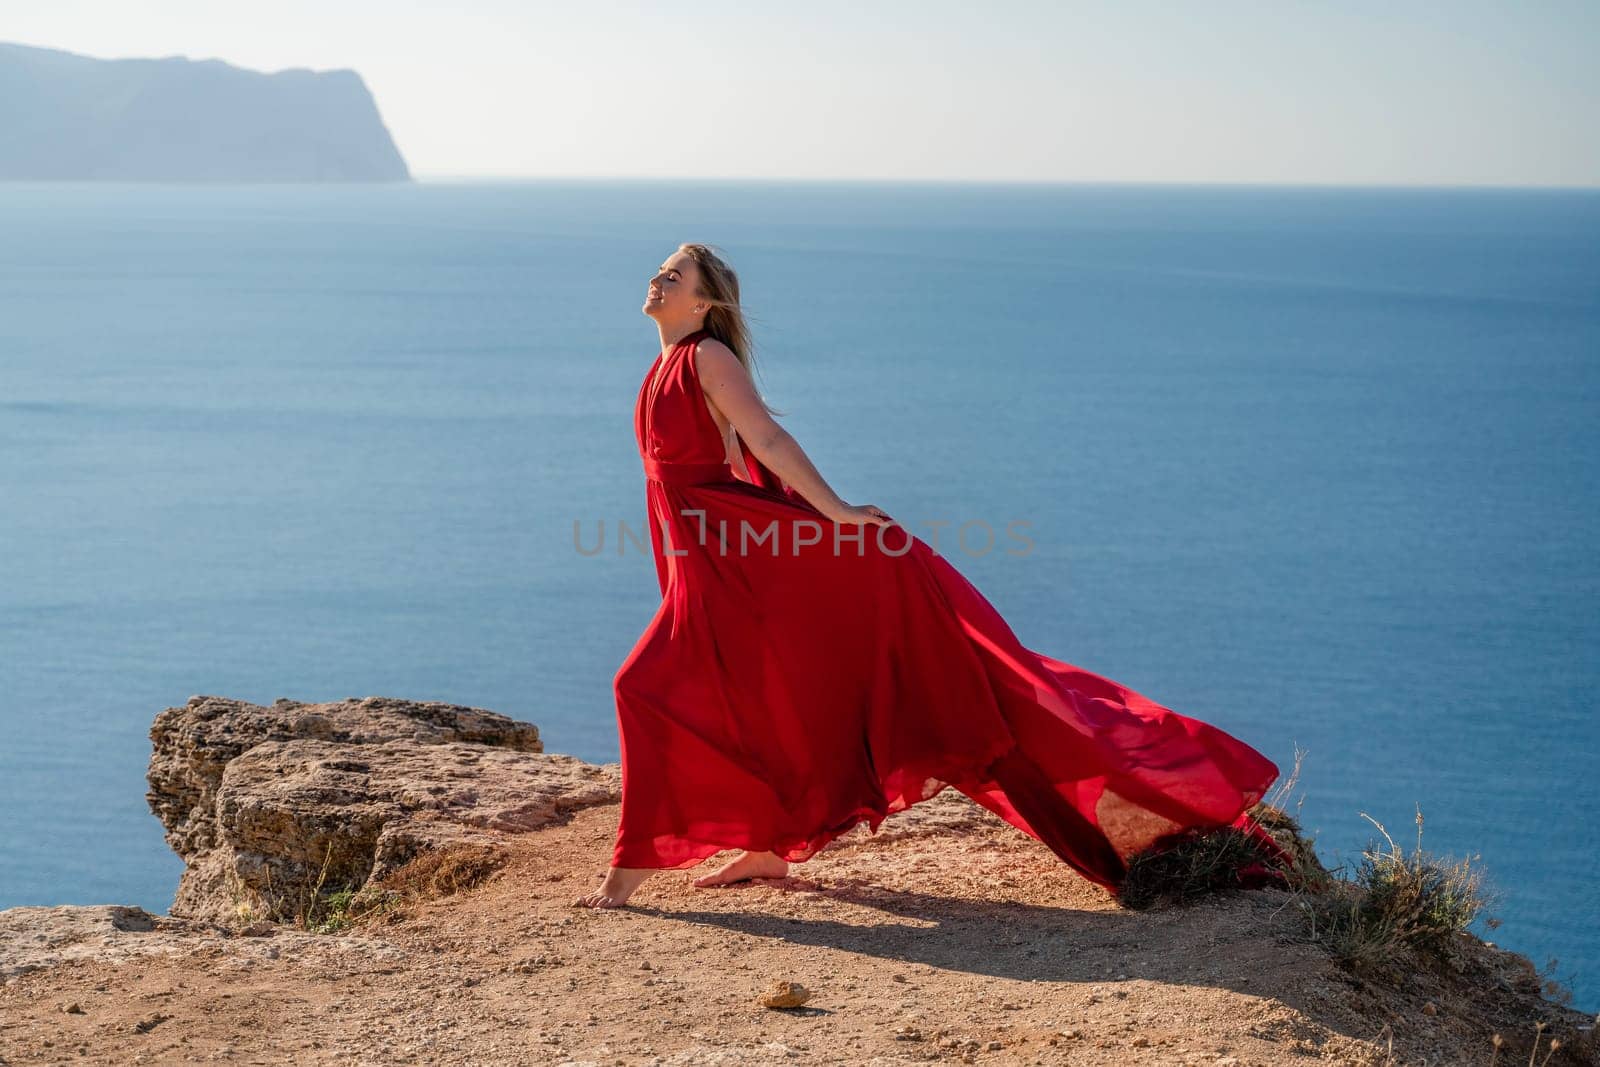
947 937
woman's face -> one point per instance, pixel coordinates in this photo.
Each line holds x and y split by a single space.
671 295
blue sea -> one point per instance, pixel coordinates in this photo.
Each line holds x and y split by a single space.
1320 466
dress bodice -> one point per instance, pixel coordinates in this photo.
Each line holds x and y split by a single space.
679 442
671 421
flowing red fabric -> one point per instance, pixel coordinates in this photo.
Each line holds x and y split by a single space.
802 676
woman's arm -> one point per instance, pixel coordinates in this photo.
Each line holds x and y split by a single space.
727 385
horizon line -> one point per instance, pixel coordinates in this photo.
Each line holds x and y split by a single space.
442 177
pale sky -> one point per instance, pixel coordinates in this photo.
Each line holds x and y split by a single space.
1471 92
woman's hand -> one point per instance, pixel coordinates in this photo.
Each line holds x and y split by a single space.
861 515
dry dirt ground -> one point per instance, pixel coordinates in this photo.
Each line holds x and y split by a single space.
947 937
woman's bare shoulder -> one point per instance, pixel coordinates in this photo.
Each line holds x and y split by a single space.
726 383
716 348
718 362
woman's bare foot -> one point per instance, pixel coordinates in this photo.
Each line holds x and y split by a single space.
617 886
746 865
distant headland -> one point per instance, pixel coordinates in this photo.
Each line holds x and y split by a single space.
77 118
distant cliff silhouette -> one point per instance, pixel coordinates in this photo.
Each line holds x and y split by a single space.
72 117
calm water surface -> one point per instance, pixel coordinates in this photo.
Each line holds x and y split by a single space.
1319 466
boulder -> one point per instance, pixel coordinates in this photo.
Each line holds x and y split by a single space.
273 807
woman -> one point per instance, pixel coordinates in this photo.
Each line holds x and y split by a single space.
813 665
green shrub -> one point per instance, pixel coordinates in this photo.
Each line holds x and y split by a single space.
1395 903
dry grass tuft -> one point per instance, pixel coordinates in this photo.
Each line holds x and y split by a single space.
431 875
1192 867
1189 867
1397 902
445 872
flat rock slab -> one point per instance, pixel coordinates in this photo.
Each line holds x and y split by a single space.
35 938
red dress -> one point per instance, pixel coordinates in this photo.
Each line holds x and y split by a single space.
786 690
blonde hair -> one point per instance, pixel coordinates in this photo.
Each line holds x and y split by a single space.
719 287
